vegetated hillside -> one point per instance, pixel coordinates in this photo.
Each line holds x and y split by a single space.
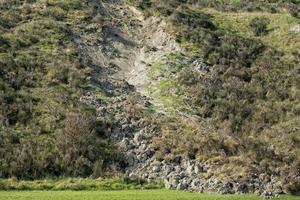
239 79
221 112
45 130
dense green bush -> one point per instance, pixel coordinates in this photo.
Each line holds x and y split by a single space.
56 12
259 25
295 10
82 149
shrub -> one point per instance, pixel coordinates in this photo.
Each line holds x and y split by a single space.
259 25
80 146
4 44
143 4
294 10
30 1
55 12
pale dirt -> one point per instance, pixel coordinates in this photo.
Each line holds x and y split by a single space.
133 39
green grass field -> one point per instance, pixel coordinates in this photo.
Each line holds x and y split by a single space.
124 195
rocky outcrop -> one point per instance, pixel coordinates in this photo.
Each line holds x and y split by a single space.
187 174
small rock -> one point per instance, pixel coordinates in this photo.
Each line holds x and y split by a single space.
295 28
143 147
124 144
138 137
198 169
190 169
177 168
267 194
177 160
242 188
226 188
150 152
167 184
156 169
131 159
171 183
181 186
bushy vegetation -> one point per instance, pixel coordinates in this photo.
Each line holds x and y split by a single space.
259 25
45 130
295 10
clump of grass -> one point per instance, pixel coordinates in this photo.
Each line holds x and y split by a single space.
165 87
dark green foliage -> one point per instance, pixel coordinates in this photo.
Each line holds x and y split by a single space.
26 158
195 27
233 51
259 25
295 10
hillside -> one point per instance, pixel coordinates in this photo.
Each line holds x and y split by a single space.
201 95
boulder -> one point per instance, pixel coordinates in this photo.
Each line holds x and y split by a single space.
171 183
167 184
124 144
198 169
156 169
190 169
138 137
150 152
182 186
226 188
241 188
131 159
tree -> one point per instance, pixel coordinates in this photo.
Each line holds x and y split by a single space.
80 146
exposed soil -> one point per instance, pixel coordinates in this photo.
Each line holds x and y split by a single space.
129 43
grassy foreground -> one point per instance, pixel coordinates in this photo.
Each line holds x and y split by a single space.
123 195
76 184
